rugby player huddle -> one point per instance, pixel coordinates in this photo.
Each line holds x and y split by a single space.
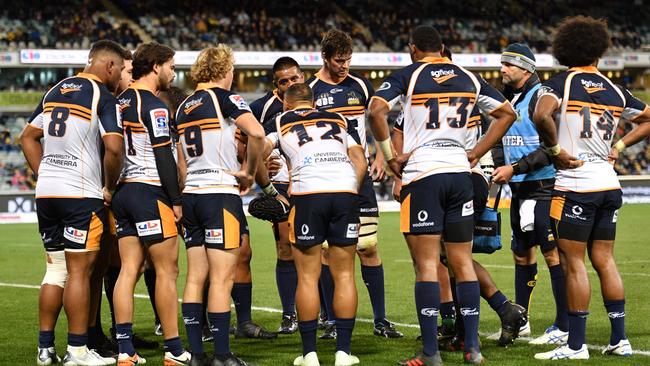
117 161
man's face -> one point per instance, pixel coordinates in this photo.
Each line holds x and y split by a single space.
511 74
229 77
339 65
166 74
115 70
283 79
127 76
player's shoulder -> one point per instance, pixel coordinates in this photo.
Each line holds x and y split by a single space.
260 102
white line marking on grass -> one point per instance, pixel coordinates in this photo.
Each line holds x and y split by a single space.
363 320
543 268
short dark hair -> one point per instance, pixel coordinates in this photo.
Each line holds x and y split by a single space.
426 38
446 52
580 41
299 93
128 55
336 42
284 63
109 46
147 55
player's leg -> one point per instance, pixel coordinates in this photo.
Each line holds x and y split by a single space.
150 282
447 310
96 337
286 278
192 307
308 266
131 259
524 255
327 290
345 297
112 273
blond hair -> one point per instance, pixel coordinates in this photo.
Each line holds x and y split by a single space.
212 64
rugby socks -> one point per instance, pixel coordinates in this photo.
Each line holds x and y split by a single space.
458 325
174 346
45 338
286 278
219 326
427 304
469 302
150 281
559 292
498 302
373 277
577 329
124 335
77 340
525 281
193 319
616 313
112 273
308 335
344 328
242 294
327 284
92 337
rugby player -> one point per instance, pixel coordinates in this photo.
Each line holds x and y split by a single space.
147 204
286 72
526 167
214 221
337 90
79 121
576 113
437 191
327 166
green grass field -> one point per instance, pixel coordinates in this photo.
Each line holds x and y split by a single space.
21 263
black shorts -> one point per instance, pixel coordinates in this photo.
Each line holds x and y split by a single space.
439 204
282 188
481 194
540 235
74 224
367 199
315 218
585 217
143 210
215 220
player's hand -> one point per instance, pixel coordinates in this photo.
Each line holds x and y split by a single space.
397 188
503 174
273 165
565 161
244 179
613 156
178 213
377 171
282 199
108 196
472 158
396 164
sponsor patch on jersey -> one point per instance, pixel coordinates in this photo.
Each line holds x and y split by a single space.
238 101
192 105
214 236
75 235
150 227
384 86
70 87
160 122
468 208
353 231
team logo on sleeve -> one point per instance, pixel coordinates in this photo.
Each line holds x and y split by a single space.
160 122
238 101
543 90
384 86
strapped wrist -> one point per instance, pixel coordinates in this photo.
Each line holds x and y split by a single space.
554 150
270 190
620 145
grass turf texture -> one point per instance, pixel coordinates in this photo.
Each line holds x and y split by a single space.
21 262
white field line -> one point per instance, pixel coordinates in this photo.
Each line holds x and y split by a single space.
363 320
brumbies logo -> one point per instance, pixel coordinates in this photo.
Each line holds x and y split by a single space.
353 99
192 105
70 87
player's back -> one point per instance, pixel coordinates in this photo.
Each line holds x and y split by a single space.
74 115
316 146
206 125
265 110
590 109
146 125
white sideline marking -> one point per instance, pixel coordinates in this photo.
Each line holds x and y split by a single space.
363 320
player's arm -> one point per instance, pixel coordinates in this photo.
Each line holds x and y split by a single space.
182 166
545 108
357 154
537 159
271 141
254 148
110 126
636 112
113 159
30 141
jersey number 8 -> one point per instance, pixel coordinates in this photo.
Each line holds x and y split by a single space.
57 126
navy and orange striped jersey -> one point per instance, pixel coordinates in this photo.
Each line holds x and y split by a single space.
315 144
438 99
74 115
266 109
590 107
208 134
350 97
146 123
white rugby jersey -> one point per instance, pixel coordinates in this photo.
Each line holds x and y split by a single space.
265 110
74 115
315 144
208 134
590 107
350 97
146 124
437 98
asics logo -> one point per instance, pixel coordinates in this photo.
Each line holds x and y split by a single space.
469 311
616 314
429 312
121 336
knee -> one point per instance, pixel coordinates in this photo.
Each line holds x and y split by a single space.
551 257
369 255
55 273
